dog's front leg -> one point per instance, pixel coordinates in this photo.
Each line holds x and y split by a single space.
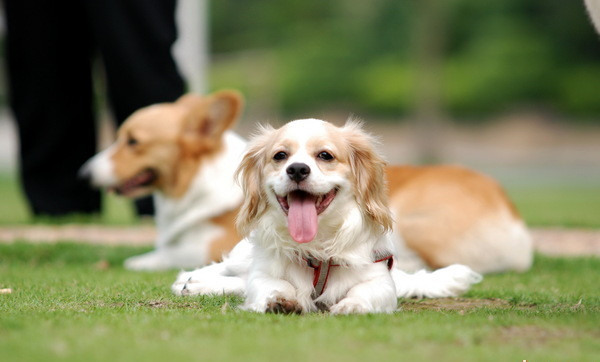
266 294
375 294
226 277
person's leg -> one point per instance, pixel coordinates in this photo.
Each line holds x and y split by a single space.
48 60
135 38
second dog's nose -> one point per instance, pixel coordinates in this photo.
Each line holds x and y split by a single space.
85 173
298 171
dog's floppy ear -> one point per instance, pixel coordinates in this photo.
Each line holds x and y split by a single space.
368 170
249 175
208 117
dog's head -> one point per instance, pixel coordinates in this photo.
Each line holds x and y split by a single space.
309 171
160 147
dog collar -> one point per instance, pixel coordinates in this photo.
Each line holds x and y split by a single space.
321 270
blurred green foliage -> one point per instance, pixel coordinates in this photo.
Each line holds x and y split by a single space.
497 54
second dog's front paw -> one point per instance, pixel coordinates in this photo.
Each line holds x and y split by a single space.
283 306
152 261
204 283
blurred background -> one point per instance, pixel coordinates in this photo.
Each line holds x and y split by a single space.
508 87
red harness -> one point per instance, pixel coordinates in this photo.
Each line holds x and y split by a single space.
321 270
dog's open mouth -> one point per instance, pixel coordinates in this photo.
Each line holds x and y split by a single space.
302 209
142 179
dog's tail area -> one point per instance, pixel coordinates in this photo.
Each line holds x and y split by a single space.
450 281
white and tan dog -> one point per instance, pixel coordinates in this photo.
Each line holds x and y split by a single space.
185 154
318 228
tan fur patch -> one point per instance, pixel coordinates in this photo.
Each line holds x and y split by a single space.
227 241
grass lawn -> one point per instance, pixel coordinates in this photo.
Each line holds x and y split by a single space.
13 209
76 303
574 206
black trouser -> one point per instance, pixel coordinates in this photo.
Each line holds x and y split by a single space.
50 47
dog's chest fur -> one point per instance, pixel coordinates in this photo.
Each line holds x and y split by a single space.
212 192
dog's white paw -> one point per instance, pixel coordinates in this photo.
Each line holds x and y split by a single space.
350 306
450 281
453 280
179 285
283 306
461 274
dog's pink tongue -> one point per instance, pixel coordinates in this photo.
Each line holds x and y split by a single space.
302 217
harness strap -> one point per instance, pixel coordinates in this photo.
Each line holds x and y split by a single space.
389 259
320 275
321 270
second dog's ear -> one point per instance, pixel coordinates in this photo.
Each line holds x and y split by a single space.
208 117
224 108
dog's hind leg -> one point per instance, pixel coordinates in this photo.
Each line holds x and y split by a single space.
450 281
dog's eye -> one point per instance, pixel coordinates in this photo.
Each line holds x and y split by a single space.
325 156
280 156
131 141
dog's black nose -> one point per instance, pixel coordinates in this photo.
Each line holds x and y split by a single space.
85 173
298 171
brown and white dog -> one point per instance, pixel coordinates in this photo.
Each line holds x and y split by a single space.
317 224
185 154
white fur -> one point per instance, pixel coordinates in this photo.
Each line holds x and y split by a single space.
495 245
269 266
450 281
593 7
101 169
183 225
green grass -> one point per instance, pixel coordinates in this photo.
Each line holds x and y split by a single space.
72 302
575 206
14 209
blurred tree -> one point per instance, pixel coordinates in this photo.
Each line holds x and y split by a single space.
367 57
429 32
